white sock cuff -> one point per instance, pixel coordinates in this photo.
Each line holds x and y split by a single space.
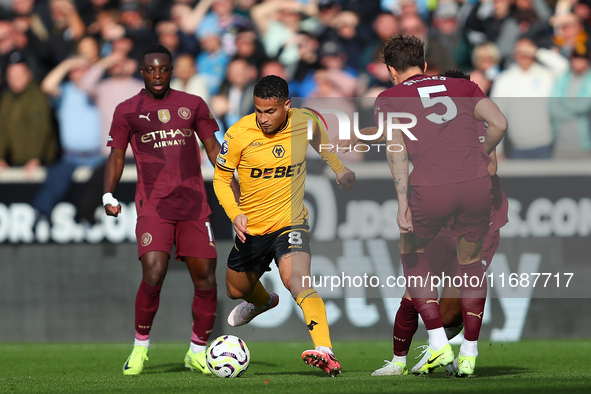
197 348
437 338
469 348
146 343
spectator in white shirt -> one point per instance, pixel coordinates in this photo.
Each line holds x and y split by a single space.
522 92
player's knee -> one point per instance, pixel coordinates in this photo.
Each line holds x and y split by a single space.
234 293
154 278
205 275
204 283
200 268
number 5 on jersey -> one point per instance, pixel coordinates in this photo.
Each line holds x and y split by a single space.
428 102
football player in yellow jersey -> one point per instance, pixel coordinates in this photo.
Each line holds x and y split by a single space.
268 149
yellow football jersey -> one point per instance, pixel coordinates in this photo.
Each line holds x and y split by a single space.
271 171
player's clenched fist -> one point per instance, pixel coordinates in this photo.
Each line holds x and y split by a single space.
112 206
346 179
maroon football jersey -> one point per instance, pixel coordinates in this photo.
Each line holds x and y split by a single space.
446 149
162 137
500 205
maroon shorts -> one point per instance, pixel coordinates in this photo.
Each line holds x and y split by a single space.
489 247
442 257
467 202
193 238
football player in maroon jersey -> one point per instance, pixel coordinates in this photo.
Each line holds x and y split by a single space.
161 124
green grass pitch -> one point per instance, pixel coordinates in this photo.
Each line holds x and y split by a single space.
525 367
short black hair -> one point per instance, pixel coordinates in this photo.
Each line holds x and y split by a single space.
455 74
156 48
271 87
404 52
17 57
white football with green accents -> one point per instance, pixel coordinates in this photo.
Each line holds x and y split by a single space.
228 357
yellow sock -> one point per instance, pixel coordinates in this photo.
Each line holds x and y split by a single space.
259 296
315 317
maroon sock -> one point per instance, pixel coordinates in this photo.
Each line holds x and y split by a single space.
204 306
473 291
405 326
418 283
146 306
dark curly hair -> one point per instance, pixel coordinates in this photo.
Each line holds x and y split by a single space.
271 87
455 74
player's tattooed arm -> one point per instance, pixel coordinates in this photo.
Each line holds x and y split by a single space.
398 163
399 170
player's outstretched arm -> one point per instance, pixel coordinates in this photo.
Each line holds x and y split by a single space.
487 111
398 163
320 144
113 172
345 177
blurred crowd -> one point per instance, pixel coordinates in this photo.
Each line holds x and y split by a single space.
66 64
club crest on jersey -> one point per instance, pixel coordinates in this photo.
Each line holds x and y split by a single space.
164 115
278 151
184 113
224 149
